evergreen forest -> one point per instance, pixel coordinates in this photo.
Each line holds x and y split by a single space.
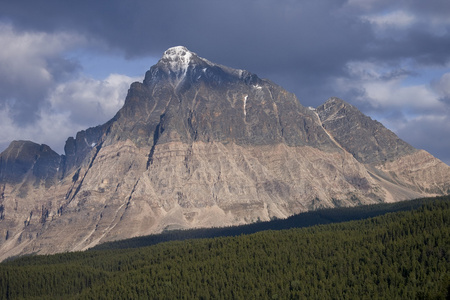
397 255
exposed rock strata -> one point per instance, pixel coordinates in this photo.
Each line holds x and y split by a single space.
198 145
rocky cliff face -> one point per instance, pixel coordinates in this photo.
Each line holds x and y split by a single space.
30 162
198 144
367 140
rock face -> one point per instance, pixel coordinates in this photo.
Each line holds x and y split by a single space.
198 144
367 140
27 161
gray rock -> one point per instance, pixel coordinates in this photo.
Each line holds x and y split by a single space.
366 139
191 99
25 159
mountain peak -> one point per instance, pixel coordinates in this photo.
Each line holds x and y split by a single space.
178 64
26 158
336 102
178 58
368 140
176 50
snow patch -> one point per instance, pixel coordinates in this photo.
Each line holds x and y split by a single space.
245 104
178 58
311 108
258 87
93 145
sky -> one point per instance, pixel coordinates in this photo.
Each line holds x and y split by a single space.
67 65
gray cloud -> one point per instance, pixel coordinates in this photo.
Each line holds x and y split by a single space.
31 65
429 133
303 39
304 43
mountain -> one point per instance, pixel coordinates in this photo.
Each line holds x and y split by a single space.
198 144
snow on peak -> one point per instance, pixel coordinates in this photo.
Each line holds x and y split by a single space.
179 62
178 58
177 51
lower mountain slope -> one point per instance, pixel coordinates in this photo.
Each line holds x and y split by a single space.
302 220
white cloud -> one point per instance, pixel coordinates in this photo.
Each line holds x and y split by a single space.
72 106
31 64
386 89
88 101
392 94
27 58
397 19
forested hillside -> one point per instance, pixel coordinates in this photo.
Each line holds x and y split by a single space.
403 255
